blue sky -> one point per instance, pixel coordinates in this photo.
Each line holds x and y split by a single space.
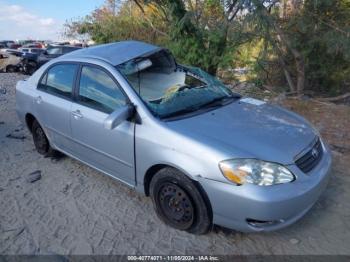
37 19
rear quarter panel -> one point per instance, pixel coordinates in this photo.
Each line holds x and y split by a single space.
24 100
25 94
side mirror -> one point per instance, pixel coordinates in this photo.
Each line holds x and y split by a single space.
118 116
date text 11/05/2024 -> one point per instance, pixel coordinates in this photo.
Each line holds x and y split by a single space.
173 258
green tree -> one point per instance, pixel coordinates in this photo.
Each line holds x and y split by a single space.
310 41
305 44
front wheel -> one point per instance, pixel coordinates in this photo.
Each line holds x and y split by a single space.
178 202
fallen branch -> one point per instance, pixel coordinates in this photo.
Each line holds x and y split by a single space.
336 98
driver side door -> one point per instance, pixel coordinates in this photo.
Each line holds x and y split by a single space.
97 95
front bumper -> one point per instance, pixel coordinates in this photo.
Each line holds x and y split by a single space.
278 205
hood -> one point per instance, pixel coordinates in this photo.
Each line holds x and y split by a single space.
248 129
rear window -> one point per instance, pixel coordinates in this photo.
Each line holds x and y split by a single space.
54 51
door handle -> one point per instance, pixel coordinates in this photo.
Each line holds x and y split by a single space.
38 99
77 114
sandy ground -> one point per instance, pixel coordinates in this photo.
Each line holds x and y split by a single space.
74 209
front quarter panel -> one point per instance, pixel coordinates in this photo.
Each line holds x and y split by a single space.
156 144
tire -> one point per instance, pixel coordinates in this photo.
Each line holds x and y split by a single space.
30 68
42 144
11 69
178 202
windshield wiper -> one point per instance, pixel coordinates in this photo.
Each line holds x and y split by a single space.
181 112
220 101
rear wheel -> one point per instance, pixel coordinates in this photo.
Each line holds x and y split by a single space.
178 202
41 142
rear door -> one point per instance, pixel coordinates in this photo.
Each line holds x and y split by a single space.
97 95
53 102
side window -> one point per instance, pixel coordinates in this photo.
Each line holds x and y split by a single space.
59 80
98 90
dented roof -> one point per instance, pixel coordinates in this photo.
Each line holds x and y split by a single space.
115 53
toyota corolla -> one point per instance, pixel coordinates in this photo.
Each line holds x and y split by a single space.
204 154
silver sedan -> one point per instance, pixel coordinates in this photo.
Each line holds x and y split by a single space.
204 154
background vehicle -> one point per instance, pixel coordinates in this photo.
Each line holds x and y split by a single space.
2 47
32 50
32 61
34 45
7 43
9 63
15 46
60 44
14 52
25 42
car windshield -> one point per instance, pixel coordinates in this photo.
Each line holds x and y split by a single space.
169 89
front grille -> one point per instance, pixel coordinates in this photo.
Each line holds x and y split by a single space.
311 158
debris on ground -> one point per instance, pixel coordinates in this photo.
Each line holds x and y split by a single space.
294 241
19 137
34 176
2 90
66 189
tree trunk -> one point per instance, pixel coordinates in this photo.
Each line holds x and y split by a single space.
299 60
285 69
289 79
300 67
283 39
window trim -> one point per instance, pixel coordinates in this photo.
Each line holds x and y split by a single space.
77 86
71 97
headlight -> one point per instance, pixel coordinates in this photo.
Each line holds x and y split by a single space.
257 172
